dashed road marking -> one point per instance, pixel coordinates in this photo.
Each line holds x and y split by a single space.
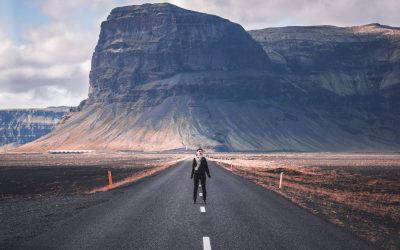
199 185
202 209
206 243
200 194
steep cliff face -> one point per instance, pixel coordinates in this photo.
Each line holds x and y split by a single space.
166 78
351 74
358 60
20 126
141 44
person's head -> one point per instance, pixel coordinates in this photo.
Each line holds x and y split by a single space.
199 151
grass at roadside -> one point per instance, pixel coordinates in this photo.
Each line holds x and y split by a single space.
359 192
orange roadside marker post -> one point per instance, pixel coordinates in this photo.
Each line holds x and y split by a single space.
109 179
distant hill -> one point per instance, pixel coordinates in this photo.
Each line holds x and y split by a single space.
347 61
19 126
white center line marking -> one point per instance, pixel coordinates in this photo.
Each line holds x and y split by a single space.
206 243
202 209
200 194
199 185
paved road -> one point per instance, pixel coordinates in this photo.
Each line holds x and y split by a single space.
157 213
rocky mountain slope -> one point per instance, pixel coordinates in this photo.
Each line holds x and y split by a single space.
166 78
358 60
19 126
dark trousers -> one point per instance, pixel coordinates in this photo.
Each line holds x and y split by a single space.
202 178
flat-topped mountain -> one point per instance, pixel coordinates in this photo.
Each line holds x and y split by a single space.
166 78
150 42
345 60
19 126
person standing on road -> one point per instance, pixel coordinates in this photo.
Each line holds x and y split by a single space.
199 170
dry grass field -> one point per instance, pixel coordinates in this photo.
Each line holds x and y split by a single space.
55 174
359 192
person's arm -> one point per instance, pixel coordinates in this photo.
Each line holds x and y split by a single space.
207 171
193 164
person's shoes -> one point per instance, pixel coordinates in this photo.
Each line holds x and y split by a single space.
205 202
194 201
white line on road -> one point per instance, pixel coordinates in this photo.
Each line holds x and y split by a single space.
199 185
202 209
206 243
200 194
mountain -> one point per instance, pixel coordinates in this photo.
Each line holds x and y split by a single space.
19 126
166 78
351 74
358 60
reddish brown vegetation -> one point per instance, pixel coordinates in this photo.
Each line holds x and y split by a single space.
358 192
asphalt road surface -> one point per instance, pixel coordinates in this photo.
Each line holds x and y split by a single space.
158 213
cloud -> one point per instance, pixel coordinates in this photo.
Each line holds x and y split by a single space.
257 14
50 61
51 66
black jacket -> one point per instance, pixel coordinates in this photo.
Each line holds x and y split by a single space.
202 169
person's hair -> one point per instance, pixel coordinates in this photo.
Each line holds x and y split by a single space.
199 148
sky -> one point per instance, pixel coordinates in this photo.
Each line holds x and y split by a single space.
46 45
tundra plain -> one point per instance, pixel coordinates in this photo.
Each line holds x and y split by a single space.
357 191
